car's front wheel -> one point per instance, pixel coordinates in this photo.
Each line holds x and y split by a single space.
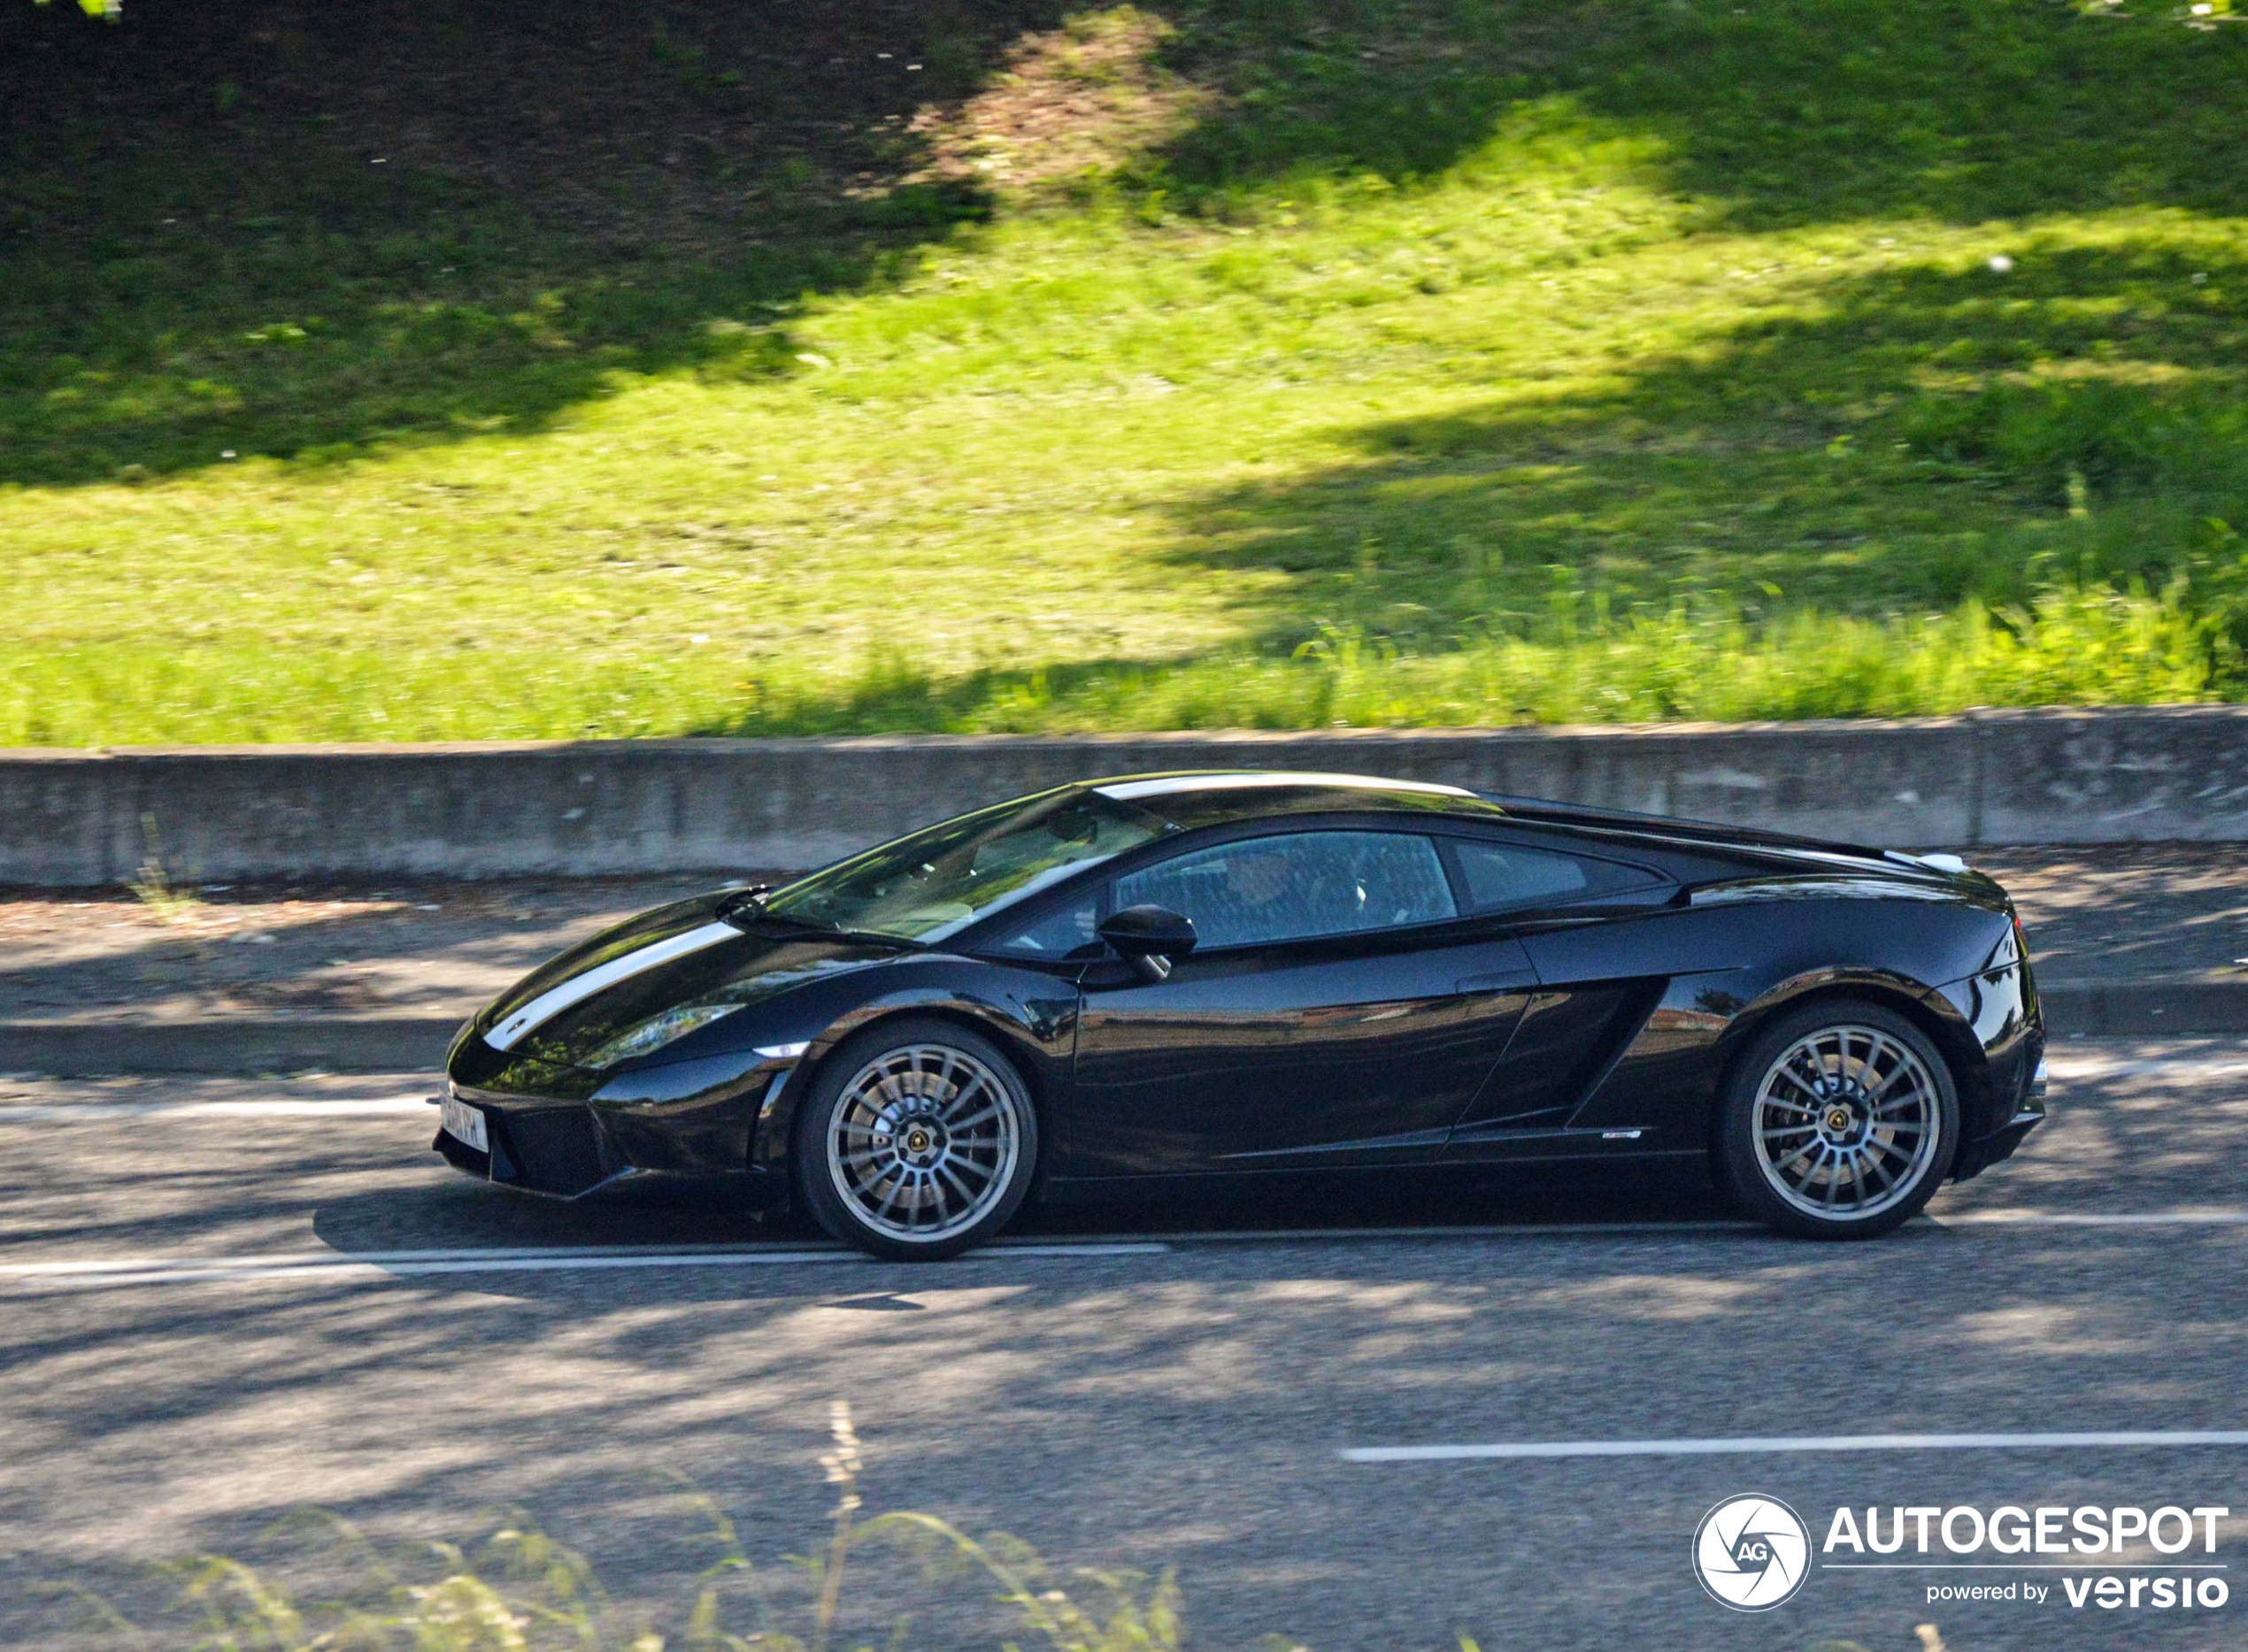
1839 1122
917 1142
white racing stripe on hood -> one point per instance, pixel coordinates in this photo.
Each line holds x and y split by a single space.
578 988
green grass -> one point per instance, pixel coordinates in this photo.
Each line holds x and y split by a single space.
1466 362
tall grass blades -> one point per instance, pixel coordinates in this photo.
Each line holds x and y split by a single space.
519 1590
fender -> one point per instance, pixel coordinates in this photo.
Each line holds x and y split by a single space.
1030 1015
1932 1008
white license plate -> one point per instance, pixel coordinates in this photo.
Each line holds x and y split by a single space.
464 1123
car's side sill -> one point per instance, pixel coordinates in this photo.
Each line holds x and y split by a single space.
1599 1141
1413 1146
1663 1163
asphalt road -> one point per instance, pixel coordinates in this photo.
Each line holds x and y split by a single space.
220 1300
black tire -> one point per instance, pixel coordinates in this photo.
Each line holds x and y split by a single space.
917 1142
1839 1122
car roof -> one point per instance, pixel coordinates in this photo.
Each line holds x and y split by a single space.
1205 797
1216 797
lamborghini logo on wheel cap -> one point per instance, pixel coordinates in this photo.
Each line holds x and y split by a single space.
1751 1553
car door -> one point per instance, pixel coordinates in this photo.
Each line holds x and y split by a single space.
1577 915
1335 1011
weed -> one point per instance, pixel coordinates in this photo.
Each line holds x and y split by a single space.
171 902
521 1590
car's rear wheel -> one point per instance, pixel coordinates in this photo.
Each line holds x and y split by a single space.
917 1142
1839 1122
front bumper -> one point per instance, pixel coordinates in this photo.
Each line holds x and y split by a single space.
568 1148
541 1146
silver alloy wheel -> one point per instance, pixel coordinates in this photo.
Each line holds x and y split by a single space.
923 1141
1845 1122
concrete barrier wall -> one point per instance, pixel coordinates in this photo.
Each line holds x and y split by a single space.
593 807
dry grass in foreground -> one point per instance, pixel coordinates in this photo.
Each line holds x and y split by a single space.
519 1590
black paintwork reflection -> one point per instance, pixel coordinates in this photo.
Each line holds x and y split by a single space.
1665 1082
2000 1007
476 1065
659 924
744 972
1333 1052
1567 1039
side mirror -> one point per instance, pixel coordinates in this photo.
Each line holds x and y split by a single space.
1150 939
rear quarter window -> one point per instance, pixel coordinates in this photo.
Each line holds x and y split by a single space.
1499 876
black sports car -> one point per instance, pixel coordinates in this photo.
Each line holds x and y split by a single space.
1242 975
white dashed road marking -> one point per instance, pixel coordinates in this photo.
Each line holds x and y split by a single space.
1517 1450
2072 1066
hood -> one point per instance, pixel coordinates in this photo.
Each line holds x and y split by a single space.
567 1012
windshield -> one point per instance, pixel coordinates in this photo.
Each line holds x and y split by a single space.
936 883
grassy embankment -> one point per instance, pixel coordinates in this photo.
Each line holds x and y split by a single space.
1367 362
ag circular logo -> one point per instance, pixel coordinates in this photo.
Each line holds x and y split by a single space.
1751 1553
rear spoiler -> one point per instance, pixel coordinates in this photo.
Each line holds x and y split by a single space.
1951 866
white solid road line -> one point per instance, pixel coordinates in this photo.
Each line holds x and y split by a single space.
47 1112
297 1258
147 1270
1821 1443
554 1258
1436 1231
348 1268
2093 1219
1711 1226
414 1264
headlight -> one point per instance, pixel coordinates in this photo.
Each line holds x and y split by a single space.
658 1031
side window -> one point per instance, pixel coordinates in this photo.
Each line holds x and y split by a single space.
1503 875
1058 934
1298 886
